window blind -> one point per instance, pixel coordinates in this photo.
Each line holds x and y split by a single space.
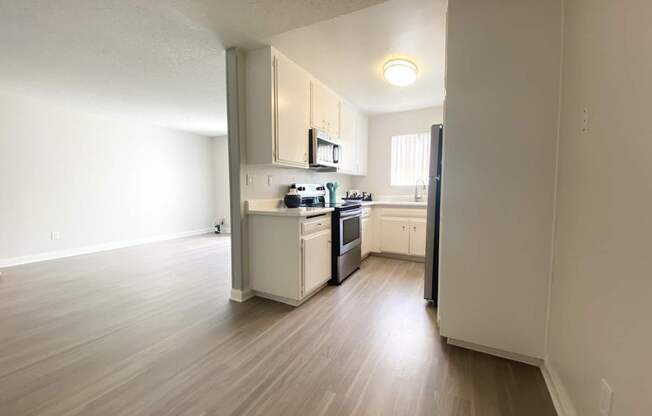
410 158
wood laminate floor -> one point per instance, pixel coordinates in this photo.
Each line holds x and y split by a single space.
149 330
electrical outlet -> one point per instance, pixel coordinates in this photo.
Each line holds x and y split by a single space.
586 120
606 398
55 235
251 179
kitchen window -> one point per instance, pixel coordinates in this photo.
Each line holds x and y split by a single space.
410 158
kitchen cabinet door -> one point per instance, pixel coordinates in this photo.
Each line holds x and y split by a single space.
291 112
418 237
348 133
362 142
394 235
325 109
316 260
366 236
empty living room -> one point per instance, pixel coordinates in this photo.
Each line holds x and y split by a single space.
337 207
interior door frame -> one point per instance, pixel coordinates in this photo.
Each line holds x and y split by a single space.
235 120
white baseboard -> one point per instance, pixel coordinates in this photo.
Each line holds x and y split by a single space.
558 393
498 353
238 295
51 255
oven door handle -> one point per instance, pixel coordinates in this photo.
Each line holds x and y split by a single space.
354 213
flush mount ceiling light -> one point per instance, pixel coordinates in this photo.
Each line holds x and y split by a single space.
400 72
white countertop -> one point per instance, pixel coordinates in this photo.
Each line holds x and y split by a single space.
277 208
399 204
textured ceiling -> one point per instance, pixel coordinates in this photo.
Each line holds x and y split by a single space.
156 61
348 52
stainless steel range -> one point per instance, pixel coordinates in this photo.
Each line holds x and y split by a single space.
346 238
346 231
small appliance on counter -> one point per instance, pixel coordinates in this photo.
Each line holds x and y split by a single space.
355 195
346 231
310 195
332 191
292 199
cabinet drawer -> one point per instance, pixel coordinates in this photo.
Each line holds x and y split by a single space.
315 224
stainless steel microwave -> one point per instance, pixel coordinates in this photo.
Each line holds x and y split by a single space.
324 151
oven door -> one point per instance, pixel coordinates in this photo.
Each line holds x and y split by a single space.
349 230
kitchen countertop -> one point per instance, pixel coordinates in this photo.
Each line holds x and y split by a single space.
399 204
277 208
290 212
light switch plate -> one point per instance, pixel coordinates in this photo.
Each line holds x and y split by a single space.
55 235
270 179
606 398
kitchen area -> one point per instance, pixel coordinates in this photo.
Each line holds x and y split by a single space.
319 199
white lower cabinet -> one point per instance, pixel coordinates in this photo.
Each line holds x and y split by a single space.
403 235
366 235
316 260
289 256
418 237
395 235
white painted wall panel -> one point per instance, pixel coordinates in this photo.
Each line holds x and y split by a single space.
501 111
601 313
95 180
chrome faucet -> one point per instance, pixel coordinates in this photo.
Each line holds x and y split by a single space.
417 197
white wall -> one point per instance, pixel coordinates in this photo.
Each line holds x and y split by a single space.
501 111
221 180
601 308
381 129
282 178
95 180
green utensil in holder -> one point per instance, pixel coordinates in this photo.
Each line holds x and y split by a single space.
332 188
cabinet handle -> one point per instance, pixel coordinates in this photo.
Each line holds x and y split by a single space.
414 228
404 228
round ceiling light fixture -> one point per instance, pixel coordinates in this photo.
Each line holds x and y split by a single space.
400 72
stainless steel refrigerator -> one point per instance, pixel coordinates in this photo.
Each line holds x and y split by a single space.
434 208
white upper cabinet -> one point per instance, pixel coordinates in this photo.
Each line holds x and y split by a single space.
354 138
348 138
362 141
283 101
277 102
292 112
325 109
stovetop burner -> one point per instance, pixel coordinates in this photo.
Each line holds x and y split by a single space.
346 205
